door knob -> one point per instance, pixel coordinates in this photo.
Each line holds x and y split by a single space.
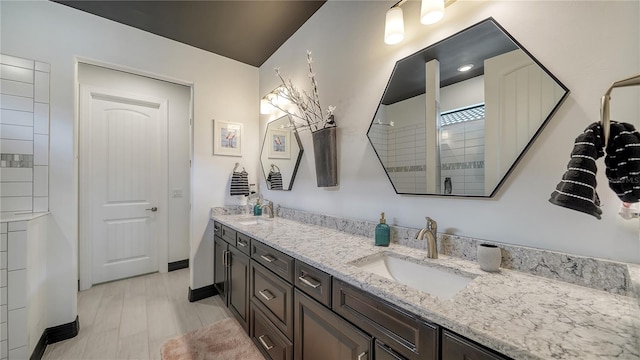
154 209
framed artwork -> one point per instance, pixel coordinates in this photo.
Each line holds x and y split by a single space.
227 138
280 146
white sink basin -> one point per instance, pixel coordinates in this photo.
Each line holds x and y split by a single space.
254 222
438 282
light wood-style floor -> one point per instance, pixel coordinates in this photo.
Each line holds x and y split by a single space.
131 318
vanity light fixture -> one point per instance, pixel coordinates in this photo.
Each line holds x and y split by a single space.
465 67
267 102
431 11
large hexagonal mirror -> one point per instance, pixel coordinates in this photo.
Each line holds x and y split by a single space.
280 155
457 116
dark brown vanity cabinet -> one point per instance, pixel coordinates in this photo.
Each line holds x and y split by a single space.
322 335
292 310
220 248
273 296
238 294
231 274
455 347
401 332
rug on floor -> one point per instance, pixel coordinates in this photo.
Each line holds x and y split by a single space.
222 340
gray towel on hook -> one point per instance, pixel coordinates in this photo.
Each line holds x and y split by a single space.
577 190
275 180
239 183
623 161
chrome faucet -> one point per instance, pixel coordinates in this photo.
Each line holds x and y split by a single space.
269 206
431 233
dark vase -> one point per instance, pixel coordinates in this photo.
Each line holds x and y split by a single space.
325 153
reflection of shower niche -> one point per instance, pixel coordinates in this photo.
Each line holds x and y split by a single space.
439 131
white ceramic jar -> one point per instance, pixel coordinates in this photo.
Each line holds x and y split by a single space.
489 257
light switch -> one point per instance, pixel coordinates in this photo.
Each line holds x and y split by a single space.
177 193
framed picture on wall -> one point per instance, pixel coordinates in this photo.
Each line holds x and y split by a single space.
280 146
227 138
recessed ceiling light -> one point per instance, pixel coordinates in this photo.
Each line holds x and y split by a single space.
466 67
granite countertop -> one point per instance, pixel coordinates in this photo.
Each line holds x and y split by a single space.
520 315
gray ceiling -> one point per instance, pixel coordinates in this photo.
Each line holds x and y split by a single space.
243 30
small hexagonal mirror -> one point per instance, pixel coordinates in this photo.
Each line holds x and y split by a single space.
457 116
280 155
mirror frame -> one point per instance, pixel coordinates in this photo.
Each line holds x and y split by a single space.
298 160
498 186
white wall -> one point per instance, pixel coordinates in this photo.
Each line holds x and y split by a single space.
586 44
223 89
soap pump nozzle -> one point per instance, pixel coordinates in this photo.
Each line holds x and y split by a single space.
382 219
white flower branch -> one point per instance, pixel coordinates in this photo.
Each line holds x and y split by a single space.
309 114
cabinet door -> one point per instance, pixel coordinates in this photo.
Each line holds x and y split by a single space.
239 286
220 248
455 347
322 335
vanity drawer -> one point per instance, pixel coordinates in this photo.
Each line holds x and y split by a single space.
226 233
405 333
271 342
274 260
273 296
243 243
313 282
455 347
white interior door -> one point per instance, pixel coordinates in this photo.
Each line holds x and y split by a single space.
122 165
518 96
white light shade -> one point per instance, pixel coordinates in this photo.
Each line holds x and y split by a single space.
431 11
265 107
394 26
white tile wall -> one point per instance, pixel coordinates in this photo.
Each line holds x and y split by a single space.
13 117
17 88
19 103
14 73
41 149
16 61
40 204
24 129
17 289
17 226
17 320
40 66
3 291
16 132
19 353
16 203
16 147
16 189
40 181
41 93
17 245
41 118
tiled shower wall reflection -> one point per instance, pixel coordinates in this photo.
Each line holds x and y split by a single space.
24 135
403 153
462 157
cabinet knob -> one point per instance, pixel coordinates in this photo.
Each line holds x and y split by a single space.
154 209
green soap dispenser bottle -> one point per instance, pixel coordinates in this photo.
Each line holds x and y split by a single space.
382 232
